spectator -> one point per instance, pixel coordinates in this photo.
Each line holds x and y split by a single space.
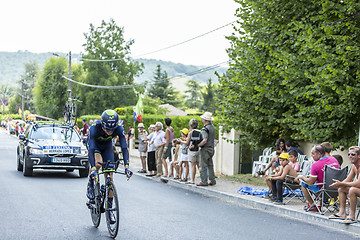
339 158
280 142
327 146
289 147
85 130
176 160
91 122
278 179
159 142
184 155
16 129
316 174
207 151
169 136
349 187
129 135
142 147
193 139
151 152
293 156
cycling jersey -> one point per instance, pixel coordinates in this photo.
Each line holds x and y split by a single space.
99 142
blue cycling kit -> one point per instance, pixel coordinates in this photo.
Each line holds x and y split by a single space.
99 142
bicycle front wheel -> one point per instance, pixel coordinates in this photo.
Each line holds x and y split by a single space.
95 208
112 209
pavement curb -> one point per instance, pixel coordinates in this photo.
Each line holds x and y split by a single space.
281 210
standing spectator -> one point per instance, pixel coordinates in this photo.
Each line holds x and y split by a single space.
289 147
85 130
207 151
348 186
91 122
129 135
142 147
151 152
159 142
193 139
184 155
169 136
316 174
16 129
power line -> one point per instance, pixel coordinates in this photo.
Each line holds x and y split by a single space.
171 46
191 39
100 86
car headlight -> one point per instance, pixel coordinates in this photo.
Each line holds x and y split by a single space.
36 151
84 151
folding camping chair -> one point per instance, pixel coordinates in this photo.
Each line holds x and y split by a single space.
291 189
327 197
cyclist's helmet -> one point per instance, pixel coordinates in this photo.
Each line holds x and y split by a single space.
109 120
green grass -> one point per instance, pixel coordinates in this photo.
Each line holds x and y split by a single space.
246 179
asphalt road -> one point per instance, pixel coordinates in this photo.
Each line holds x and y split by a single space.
51 205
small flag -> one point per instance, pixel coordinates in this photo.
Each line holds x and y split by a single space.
138 110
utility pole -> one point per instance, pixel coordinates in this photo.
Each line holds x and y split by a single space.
22 99
69 75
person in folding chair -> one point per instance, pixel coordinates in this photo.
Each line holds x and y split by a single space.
348 186
316 175
277 180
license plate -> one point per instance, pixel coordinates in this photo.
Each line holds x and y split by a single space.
60 160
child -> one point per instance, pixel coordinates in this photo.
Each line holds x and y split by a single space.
277 180
339 159
175 161
184 155
293 156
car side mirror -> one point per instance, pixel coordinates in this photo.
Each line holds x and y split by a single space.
22 137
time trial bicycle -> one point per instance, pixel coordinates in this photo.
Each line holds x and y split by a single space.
100 204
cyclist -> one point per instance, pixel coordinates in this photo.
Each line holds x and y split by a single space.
100 148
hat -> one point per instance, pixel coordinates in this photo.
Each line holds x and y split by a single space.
152 126
140 125
185 131
207 116
284 156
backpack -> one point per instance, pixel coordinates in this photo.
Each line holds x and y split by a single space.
195 139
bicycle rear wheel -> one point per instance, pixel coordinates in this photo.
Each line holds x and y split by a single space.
95 211
112 227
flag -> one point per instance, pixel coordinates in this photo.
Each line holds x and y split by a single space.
138 110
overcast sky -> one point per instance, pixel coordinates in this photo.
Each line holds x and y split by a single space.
59 26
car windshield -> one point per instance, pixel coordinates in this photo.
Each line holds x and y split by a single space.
55 133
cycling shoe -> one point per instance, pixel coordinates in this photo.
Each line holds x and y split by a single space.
90 191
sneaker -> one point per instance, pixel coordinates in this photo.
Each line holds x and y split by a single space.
279 202
273 199
90 190
112 217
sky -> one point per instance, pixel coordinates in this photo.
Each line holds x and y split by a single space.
59 26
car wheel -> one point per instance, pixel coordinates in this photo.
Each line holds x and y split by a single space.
19 165
84 172
27 168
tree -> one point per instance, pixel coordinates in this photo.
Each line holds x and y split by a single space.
193 99
209 95
107 42
294 72
27 84
50 92
6 93
162 88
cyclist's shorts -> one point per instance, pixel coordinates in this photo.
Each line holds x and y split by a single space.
106 152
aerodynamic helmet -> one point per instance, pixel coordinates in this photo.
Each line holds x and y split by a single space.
109 120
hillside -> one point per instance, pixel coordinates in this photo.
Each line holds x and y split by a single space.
12 66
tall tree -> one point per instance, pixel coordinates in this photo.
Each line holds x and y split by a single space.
50 92
27 84
209 95
295 71
193 98
162 88
106 42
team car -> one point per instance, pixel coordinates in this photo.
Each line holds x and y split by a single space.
46 145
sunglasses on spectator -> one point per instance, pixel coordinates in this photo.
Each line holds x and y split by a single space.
351 153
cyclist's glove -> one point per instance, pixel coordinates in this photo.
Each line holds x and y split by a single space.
93 174
128 171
